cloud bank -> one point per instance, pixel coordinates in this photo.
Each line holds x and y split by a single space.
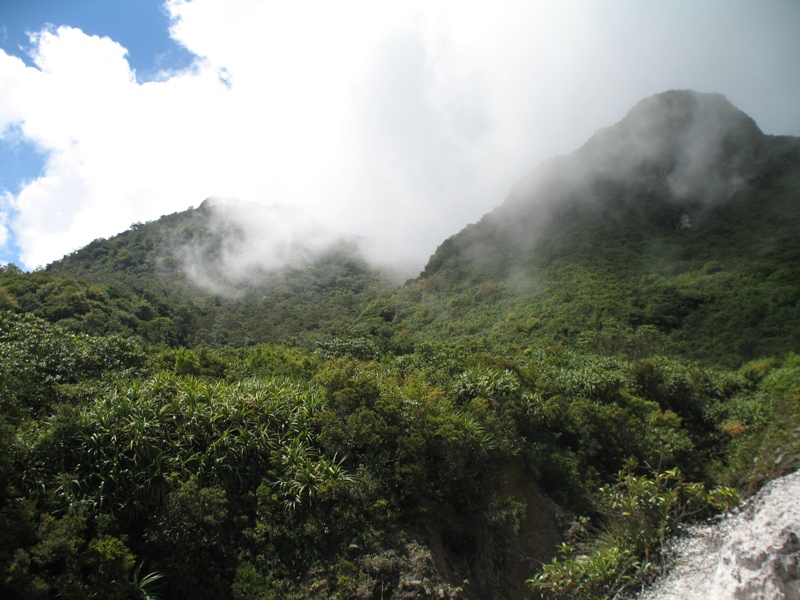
400 123
246 240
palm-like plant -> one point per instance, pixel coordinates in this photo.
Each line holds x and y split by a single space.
142 583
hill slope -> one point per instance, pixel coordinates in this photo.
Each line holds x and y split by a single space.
235 273
680 223
674 230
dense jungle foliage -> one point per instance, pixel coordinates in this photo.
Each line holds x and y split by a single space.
148 264
564 383
271 472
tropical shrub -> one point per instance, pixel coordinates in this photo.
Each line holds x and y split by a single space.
637 514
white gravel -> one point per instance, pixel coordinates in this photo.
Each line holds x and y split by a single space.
753 553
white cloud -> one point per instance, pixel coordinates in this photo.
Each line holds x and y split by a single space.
5 201
255 240
401 122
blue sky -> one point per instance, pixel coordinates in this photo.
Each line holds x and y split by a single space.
397 121
141 26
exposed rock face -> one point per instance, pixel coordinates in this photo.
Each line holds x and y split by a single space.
753 554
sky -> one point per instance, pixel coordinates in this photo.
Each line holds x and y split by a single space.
401 122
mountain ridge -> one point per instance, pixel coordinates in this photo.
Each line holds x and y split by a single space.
662 243
680 213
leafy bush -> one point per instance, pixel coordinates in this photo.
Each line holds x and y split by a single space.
37 359
638 512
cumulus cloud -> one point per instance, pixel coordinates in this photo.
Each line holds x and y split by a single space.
4 220
399 123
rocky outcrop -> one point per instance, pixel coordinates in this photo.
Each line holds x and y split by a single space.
751 554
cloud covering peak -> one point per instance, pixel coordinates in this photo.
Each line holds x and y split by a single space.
399 123
243 240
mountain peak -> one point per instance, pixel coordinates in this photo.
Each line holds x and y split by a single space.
696 140
679 110
668 165
698 145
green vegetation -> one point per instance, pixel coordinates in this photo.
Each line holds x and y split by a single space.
271 472
638 512
310 299
565 383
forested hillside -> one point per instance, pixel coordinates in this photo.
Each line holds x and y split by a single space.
190 411
195 278
677 227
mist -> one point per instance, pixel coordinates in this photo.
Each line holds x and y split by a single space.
241 244
395 124
698 148
671 160
241 241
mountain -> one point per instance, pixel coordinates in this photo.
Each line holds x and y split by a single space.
231 402
674 230
679 224
235 273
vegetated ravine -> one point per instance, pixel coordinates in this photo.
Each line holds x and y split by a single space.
207 406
